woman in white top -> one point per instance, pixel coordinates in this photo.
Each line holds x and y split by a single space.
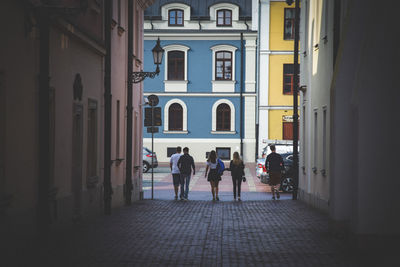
213 177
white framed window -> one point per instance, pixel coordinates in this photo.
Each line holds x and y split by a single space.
175 85
315 141
234 12
165 11
171 104
223 85
220 106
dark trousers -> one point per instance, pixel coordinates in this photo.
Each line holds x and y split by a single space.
237 183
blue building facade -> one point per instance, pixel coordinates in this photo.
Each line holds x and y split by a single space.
207 81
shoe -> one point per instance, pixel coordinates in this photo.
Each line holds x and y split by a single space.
217 198
273 197
213 198
239 199
234 199
278 195
176 197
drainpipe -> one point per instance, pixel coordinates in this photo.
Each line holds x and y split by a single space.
129 108
199 22
44 127
107 108
241 94
258 81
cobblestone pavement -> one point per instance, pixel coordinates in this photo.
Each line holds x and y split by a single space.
166 232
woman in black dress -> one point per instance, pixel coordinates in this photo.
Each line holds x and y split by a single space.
237 171
213 177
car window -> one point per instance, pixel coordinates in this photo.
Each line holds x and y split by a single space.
147 150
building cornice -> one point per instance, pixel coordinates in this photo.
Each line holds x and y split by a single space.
199 94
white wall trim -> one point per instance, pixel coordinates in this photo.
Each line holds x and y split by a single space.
200 94
214 8
184 115
214 114
223 85
175 85
186 11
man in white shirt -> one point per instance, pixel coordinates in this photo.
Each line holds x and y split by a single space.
176 176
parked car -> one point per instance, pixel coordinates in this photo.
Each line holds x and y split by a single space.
147 158
287 177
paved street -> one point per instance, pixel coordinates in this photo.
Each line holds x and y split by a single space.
164 232
200 189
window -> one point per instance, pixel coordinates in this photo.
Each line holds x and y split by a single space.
175 117
92 139
223 65
315 141
223 117
324 140
117 137
170 151
289 24
224 17
176 65
223 153
175 17
223 68
288 78
288 130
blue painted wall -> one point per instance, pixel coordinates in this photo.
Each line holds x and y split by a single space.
199 113
199 65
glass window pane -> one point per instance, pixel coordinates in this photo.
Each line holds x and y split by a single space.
227 55
228 21
287 79
220 21
220 55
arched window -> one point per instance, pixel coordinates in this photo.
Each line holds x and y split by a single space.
223 65
223 117
176 65
175 117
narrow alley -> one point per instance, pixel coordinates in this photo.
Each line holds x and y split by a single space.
166 232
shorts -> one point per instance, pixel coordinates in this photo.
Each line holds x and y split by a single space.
176 177
274 178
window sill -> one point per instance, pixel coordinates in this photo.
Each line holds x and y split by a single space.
175 85
223 132
175 132
223 86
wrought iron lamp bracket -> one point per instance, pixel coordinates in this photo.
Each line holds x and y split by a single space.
138 76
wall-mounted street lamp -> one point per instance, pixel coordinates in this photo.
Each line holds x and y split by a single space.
158 53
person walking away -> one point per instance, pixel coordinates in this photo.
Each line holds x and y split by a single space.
176 176
185 165
236 167
213 177
274 165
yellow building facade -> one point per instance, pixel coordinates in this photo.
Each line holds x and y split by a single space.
276 29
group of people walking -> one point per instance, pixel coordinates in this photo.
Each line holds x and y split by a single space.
181 166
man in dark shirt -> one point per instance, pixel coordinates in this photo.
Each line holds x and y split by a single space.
185 165
274 165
